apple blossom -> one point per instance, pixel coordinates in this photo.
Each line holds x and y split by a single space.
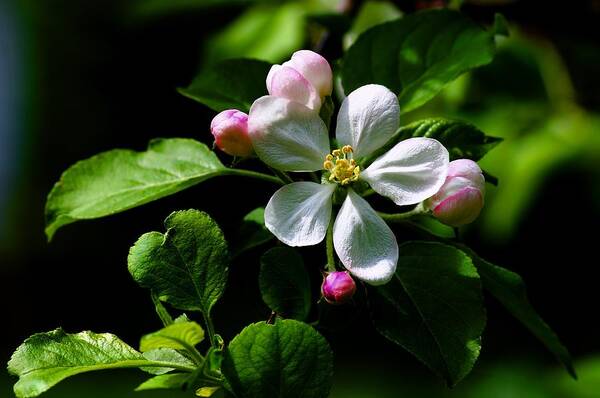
289 136
230 129
460 200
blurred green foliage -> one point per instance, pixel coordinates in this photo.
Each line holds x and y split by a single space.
505 379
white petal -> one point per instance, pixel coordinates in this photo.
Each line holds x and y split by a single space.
367 119
298 214
410 172
364 243
287 135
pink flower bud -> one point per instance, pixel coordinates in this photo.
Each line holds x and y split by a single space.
315 69
338 287
230 129
284 81
460 199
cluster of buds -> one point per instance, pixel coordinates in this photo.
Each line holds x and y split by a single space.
306 78
460 200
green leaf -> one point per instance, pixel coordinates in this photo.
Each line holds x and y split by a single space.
284 283
433 308
286 360
180 335
45 359
463 140
186 266
509 289
416 56
121 179
233 83
171 381
252 232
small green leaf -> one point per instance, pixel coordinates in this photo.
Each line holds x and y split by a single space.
286 360
252 232
433 308
186 266
284 283
180 335
463 140
509 289
121 179
45 359
433 226
416 56
230 84
167 355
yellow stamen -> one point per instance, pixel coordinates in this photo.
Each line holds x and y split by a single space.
342 166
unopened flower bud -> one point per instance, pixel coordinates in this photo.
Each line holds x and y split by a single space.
460 200
230 129
315 69
338 287
285 81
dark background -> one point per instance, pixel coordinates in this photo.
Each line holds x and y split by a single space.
88 78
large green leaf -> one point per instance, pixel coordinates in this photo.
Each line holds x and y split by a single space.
433 308
230 84
45 359
286 360
186 266
284 283
371 13
416 56
120 179
180 335
509 289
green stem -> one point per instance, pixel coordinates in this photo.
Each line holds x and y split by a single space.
283 176
210 329
401 217
161 311
329 248
253 174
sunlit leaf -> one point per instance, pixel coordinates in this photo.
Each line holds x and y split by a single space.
416 56
121 179
288 359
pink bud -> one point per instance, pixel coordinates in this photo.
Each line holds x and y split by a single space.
230 129
460 200
338 287
315 69
284 81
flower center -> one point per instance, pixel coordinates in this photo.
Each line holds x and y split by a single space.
342 166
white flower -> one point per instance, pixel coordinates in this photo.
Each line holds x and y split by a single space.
289 136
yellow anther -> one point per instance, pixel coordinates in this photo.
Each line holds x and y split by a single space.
341 166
